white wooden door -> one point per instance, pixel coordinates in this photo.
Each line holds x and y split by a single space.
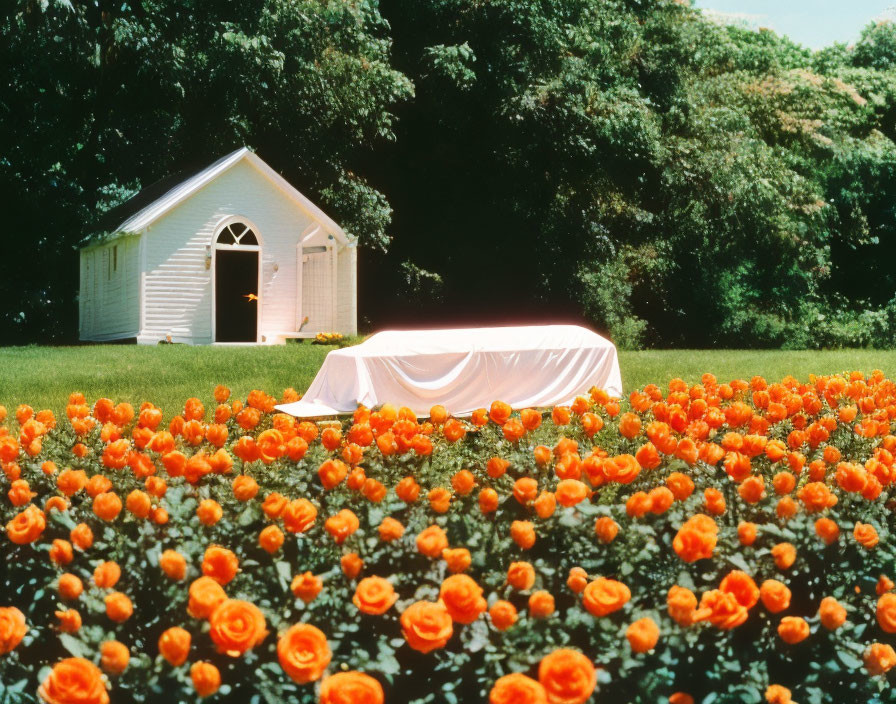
317 289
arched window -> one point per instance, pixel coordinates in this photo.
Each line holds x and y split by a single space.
236 234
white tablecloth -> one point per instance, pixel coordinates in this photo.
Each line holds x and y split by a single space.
464 369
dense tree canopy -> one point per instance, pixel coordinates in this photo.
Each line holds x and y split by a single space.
671 180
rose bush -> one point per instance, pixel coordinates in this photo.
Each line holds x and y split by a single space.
721 542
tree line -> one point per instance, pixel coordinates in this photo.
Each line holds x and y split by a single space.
670 180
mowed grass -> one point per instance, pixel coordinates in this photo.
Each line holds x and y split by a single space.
167 375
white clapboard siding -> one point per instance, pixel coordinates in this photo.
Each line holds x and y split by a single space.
178 287
347 291
109 290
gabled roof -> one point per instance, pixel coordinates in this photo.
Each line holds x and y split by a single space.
140 211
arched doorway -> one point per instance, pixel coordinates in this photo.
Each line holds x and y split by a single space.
237 253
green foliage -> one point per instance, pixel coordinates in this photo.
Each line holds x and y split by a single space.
729 183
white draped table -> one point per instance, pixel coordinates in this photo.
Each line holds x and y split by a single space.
463 369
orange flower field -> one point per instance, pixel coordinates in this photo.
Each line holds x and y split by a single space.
723 542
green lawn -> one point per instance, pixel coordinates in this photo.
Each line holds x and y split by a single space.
167 375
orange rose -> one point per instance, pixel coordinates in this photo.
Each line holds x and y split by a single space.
273 505
746 533
205 596
70 586
138 503
463 482
523 534
643 635
457 559
462 598
61 552
107 505
714 501
622 469
351 564
752 489
173 564
784 555
376 491
660 499
98 484
680 485
742 586
342 525
81 536
350 688
488 500
12 628
426 626
865 535
220 564
570 492
118 607
106 575
567 676
545 504
69 620
775 595
525 489
271 539
303 653
696 539
784 482
206 678
606 529
793 629
27 525
331 473
408 490
681 698
174 645
56 503
831 614
503 614
827 530
577 580
20 493
722 609
886 612
390 529
374 596
521 575
209 512
682 606
496 466
879 658
306 586
74 680
604 596
114 657
516 688
638 504
816 496
236 626
431 541
299 515
776 694
541 604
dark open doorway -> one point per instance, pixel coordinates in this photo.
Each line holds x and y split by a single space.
236 288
